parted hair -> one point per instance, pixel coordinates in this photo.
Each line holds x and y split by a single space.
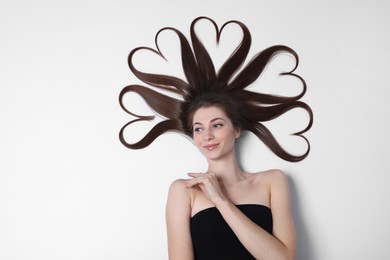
203 86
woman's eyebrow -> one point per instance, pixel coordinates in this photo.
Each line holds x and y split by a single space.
217 118
211 121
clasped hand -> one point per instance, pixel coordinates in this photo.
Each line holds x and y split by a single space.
208 183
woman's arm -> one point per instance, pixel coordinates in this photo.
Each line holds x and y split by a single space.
178 214
261 244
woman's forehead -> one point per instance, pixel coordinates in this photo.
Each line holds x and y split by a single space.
206 114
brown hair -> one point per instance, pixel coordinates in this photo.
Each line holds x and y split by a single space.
205 87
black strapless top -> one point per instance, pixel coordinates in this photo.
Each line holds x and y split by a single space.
212 238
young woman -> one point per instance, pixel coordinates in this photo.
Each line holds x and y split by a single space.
223 213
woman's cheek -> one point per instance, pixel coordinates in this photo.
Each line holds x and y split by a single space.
197 139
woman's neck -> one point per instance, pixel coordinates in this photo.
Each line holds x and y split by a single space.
227 170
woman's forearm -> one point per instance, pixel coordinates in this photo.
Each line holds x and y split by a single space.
255 239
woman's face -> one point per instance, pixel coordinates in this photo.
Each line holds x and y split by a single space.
213 132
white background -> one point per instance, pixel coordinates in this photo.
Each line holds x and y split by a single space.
70 190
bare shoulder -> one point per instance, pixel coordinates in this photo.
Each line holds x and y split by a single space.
273 177
178 183
178 187
178 191
276 174
270 174
179 198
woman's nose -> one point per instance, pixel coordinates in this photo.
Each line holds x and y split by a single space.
208 135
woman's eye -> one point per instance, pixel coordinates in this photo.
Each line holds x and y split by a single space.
218 125
197 130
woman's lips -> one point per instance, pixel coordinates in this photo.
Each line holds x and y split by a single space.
210 146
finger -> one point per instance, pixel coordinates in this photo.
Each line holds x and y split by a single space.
193 182
193 174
